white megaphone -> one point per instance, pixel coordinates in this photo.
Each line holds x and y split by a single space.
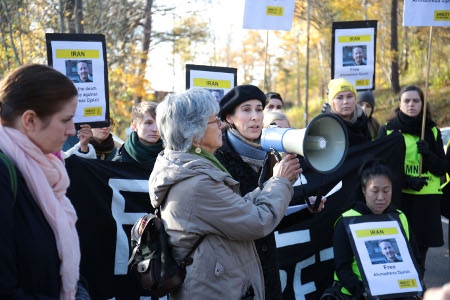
323 143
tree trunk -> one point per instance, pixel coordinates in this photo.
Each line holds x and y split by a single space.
79 16
406 50
62 25
394 48
308 20
146 39
70 6
8 20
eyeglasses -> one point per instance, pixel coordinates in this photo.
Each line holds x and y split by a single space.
217 121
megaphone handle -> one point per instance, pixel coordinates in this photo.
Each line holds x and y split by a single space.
276 154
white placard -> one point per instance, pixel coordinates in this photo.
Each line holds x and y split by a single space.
217 80
346 42
66 57
268 14
426 13
384 277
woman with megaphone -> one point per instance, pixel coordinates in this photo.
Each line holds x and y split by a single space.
241 110
342 102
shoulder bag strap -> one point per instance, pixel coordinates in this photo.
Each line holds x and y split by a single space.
12 172
188 259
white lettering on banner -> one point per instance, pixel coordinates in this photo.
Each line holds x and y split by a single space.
122 218
294 238
326 254
300 290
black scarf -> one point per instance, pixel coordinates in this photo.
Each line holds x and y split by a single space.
103 148
358 131
413 126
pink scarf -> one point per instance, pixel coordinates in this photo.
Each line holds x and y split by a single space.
48 181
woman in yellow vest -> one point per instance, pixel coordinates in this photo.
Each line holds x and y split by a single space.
376 182
421 191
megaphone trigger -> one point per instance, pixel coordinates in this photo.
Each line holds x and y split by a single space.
276 154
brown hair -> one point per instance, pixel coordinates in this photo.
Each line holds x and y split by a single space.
422 99
34 87
138 112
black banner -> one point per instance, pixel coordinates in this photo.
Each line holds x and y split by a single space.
110 196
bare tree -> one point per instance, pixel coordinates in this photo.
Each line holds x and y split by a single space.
7 17
74 16
394 48
146 39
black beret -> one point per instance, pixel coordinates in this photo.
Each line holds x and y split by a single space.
238 95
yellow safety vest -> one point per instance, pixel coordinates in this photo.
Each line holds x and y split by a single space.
412 163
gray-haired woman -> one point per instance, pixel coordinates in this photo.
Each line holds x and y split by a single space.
199 197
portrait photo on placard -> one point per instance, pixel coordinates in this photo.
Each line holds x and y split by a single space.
79 71
353 56
383 251
216 93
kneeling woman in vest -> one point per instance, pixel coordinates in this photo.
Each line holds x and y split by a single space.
376 182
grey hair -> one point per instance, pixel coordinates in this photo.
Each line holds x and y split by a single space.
183 118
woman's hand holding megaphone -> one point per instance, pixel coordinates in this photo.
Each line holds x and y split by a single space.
288 167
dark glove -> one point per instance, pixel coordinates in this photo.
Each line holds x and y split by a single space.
416 183
423 148
326 108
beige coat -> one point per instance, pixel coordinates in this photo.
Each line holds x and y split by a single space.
204 200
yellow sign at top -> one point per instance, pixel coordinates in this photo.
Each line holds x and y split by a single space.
212 83
277 11
77 53
354 38
376 232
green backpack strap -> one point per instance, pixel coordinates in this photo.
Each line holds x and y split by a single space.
12 172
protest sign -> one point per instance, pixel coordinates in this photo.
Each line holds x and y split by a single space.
353 52
217 80
82 58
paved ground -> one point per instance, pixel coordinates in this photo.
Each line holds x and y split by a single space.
438 262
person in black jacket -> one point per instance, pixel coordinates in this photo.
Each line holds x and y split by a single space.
421 191
376 183
366 100
40 251
144 143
